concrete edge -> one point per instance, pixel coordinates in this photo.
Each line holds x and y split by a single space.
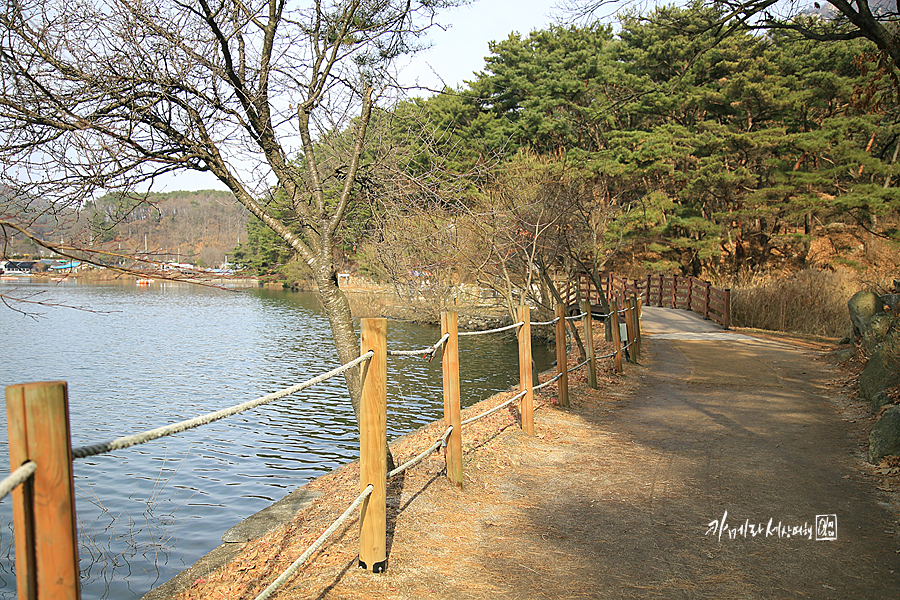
235 539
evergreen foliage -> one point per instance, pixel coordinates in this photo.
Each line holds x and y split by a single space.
679 150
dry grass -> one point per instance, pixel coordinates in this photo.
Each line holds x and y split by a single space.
812 302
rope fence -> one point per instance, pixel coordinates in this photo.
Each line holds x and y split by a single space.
545 323
295 566
579 365
487 331
153 434
16 478
553 379
43 407
495 409
425 353
442 441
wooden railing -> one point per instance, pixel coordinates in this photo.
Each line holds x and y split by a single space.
671 291
573 291
677 291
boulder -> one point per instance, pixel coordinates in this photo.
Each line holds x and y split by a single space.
877 377
878 400
844 355
889 302
862 306
885 437
875 329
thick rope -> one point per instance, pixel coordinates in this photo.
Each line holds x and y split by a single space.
425 353
16 478
146 436
420 457
513 326
495 409
548 382
553 322
578 366
578 316
290 571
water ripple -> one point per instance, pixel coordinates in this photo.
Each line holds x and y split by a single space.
168 352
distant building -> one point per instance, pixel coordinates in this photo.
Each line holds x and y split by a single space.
16 267
72 266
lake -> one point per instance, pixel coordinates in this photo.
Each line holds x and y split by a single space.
137 357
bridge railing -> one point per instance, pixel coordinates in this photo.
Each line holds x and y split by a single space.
677 291
41 455
672 291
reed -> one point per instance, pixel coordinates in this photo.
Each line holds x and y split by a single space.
811 302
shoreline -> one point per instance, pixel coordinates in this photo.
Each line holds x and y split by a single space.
131 279
320 498
282 512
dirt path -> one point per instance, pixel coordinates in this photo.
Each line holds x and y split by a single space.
615 497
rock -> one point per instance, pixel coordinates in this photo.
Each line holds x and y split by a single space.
844 354
878 400
875 329
885 437
889 302
877 377
862 306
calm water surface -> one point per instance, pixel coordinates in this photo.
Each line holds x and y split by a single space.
141 357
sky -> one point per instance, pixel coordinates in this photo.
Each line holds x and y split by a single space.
459 51
456 53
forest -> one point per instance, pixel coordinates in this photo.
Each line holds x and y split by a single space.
199 227
661 146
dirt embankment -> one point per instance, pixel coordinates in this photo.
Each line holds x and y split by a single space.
705 472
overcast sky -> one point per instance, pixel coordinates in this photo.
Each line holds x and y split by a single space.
454 56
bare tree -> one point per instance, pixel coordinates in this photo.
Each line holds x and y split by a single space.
109 95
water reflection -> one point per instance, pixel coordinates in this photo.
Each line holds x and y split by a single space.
167 352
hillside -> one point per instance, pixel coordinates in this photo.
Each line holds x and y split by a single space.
200 227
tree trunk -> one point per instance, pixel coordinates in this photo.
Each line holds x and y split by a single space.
337 308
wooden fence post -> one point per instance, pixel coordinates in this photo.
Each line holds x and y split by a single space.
587 285
629 328
674 291
617 337
525 370
726 308
450 366
562 362
609 287
659 297
372 448
588 327
690 293
636 319
706 285
44 507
